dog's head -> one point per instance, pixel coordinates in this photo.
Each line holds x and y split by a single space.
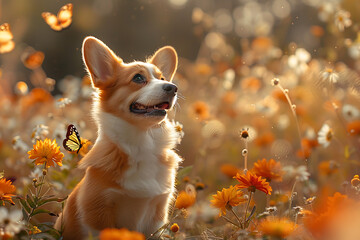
139 92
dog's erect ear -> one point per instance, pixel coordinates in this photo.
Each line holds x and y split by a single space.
166 60
100 61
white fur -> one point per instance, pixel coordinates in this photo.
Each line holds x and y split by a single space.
145 176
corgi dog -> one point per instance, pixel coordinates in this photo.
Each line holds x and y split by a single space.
130 171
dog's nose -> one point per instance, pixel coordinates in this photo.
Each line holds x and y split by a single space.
170 88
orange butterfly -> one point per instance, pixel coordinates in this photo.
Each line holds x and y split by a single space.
62 20
32 59
6 36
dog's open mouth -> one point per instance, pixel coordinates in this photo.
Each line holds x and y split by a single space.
155 110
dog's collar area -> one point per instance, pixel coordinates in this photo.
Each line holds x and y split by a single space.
154 110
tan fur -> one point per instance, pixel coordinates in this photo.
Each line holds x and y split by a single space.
100 200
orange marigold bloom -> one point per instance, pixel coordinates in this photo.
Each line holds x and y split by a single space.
200 110
271 170
174 228
265 139
185 200
47 152
321 222
277 227
353 128
355 181
85 147
328 168
227 198
229 170
253 182
6 191
120 234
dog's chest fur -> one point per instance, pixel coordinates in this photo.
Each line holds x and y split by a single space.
140 195
151 168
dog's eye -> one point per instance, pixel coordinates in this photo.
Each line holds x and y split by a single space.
138 78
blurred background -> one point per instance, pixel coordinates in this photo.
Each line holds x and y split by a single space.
284 73
135 29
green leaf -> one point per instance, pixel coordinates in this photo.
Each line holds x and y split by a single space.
252 213
24 205
30 201
25 214
54 199
184 172
38 211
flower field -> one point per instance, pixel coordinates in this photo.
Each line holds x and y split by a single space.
267 116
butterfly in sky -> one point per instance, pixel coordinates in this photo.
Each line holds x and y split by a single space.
6 36
72 142
62 20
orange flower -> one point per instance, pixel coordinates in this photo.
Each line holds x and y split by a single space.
328 168
6 191
85 147
200 110
229 170
353 128
185 200
251 84
355 181
317 30
120 234
321 222
46 152
253 182
227 198
265 139
261 44
277 227
271 170
174 228
203 69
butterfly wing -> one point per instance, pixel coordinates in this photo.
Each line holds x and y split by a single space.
72 141
64 15
52 21
7 47
6 36
5 33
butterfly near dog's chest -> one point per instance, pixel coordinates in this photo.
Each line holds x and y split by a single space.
72 142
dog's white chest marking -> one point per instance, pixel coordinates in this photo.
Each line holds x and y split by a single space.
146 175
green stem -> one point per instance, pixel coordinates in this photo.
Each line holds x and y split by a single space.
291 196
228 220
247 207
295 116
237 217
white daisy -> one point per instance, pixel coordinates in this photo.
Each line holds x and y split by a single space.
325 135
354 50
39 131
36 173
329 75
11 221
342 20
298 61
300 173
19 145
350 112
179 130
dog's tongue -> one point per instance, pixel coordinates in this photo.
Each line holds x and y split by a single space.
162 106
